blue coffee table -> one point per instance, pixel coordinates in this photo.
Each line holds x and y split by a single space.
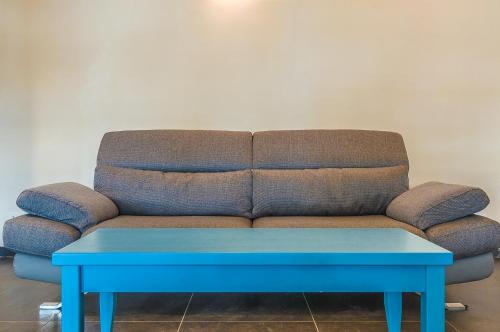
388 260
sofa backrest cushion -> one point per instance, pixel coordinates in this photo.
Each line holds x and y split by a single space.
326 191
177 150
150 193
327 172
299 149
176 172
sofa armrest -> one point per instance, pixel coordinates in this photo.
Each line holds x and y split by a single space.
68 202
38 236
467 237
434 203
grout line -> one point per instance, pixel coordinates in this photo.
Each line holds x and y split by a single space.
219 321
310 312
185 312
133 321
26 321
453 326
47 323
292 321
247 321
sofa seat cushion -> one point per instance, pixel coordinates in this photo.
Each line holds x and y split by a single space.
468 236
173 222
373 221
37 236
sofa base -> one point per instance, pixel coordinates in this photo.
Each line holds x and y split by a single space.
37 268
463 270
470 269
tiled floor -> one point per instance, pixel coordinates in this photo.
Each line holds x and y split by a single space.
19 300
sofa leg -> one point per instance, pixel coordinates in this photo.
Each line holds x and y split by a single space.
53 305
50 306
456 306
453 306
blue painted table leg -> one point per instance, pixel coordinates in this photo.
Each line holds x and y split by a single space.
72 299
393 309
432 301
107 304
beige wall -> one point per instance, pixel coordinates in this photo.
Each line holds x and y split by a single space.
429 70
15 121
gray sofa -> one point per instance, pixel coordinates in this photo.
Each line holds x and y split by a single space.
310 178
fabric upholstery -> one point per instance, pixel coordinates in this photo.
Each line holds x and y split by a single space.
140 192
177 150
298 149
68 202
335 222
309 178
465 237
433 203
326 191
327 172
37 236
173 222
470 269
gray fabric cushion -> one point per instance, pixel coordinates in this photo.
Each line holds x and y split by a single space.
327 191
139 192
173 222
297 149
469 236
68 202
37 236
375 221
433 203
177 150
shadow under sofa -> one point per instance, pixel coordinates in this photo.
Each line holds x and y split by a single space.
302 178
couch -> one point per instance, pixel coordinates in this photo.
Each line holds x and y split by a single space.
302 178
